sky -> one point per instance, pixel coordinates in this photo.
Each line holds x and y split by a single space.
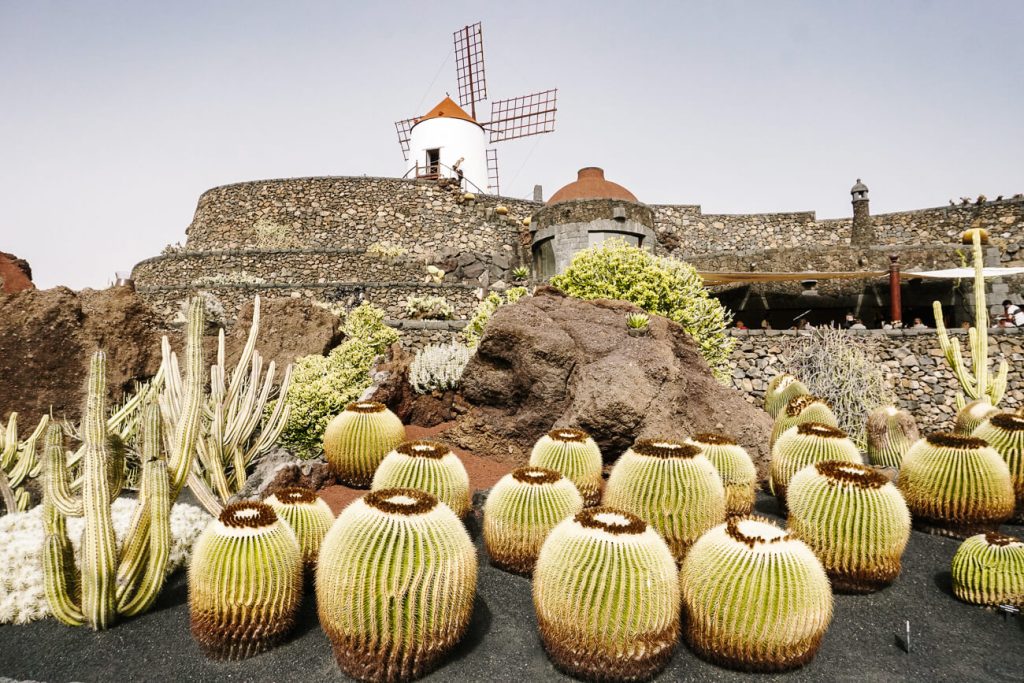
116 116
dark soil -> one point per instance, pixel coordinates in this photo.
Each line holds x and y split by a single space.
950 640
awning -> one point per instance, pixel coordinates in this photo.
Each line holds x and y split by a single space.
729 277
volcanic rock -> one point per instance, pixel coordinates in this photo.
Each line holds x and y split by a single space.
289 329
15 274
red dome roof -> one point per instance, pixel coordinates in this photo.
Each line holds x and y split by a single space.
590 184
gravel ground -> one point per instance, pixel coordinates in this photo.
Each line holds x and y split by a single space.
950 640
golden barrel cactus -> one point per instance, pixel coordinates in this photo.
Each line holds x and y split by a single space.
802 409
973 414
781 390
573 453
755 597
308 516
395 585
606 593
988 569
956 485
521 510
890 432
358 439
670 485
803 445
428 466
244 582
1005 433
854 519
735 469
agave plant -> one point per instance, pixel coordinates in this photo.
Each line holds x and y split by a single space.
756 598
988 569
358 439
1005 433
575 455
606 593
802 409
428 466
735 468
890 432
803 445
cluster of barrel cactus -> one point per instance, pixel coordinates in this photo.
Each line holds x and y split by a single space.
307 515
573 453
891 432
358 439
1005 433
735 468
800 410
988 569
806 444
428 466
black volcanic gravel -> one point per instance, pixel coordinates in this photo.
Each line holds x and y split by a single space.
950 640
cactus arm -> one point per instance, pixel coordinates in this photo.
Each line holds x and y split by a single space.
250 346
7 493
9 443
189 422
58 569
55 480
211 452
134 552
998 389
158 503
201 490
273 427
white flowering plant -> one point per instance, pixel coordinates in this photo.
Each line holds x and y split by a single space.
429 308
438 367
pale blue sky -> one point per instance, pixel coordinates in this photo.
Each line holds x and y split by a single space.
115 116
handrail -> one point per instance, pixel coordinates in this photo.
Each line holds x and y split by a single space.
440 166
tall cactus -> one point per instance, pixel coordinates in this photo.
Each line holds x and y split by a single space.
977 381
18 464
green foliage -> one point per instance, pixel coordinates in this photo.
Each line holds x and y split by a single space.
486 309
323 385
663 286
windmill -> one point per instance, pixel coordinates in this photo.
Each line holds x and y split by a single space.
449 142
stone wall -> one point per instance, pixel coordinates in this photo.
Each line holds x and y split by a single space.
911 361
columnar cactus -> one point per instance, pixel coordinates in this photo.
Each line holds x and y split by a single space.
18 464
755 597
1005 433
606 593
670 485
804 408
781 390
971 415
956 485
891 432
395 584
521 510
803 445
428 466
244 582
854 519
573 453
735 469
308 516
357 440
988 569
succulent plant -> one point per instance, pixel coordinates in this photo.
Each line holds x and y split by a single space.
637 321
19 463
395 584
244 582
520 272
357 440
1005 433
891 432
956 485
988 569
308 516
803 445
971 415
573 453
781 390
521 510
802 409
755 597
670 485
735 469
854 519
428 466
606 593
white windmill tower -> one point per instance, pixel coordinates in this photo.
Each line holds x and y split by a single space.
449 142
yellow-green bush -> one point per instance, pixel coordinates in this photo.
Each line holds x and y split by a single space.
485 309
663 286
323 385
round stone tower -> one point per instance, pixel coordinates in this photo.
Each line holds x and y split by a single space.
446 141
863 232
583 214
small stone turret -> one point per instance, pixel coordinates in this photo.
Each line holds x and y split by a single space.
863 231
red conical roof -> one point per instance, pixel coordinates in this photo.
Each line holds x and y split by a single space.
447 108
590 184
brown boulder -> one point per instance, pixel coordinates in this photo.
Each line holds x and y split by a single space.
392 388
289 329
553 361
15 274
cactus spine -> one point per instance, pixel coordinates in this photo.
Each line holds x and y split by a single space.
854 519
606 593
308 516
977 381
988 569
428 466
781 390
891 432
395 584
357 440
244 582
1005 433
956 485
803 445
735 468
755 597
18 464
802 409
521 510
672 487
573 453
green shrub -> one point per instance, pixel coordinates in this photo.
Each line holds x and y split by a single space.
663 286
475 329
323 385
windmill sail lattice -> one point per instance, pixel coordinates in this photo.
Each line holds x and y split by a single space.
469 66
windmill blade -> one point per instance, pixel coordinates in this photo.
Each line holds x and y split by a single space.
404 128
492 171
469 65
521 117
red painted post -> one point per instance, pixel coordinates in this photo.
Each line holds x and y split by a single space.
895 305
